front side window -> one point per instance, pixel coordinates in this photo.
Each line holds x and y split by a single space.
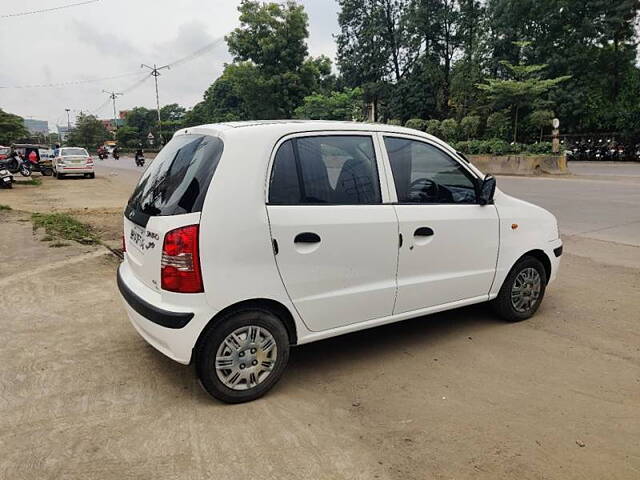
423 173
332 170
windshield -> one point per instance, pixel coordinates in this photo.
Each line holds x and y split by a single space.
73 151
178 179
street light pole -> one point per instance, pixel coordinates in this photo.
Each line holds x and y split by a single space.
155 71
68 119
113 96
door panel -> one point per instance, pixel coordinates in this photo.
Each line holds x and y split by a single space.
449 254
349 276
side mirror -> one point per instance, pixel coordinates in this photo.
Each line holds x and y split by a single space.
487 189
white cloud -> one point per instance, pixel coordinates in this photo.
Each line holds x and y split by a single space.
111 37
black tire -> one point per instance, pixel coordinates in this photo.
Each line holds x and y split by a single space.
60 176
205 354
92 175
46 171
503 304
25 172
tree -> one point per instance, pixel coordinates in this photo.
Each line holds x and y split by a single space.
434 127
524 86
541 119
89 132
498 126
470 126
272 73
11 128
345 105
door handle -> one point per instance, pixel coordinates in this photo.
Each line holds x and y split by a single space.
307 237
423 232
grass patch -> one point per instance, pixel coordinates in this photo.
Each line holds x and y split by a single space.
64 226
47 238
31 181
58 245
5 207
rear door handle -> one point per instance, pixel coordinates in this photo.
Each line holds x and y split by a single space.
423 232
307 237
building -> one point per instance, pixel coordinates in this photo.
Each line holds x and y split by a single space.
63 131
111 126
36 127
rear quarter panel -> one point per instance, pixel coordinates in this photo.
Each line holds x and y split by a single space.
236 253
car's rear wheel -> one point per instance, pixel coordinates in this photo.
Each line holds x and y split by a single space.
522 291
59 175
243 355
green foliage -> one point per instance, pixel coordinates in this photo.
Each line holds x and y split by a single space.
4 207
470 126
449 129
345 105
89 132
416 123
11 128
394 121
127 136
541 119
434 127
64 226
496 146
498 125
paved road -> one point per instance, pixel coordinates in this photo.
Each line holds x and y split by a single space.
619 169
597 208
125 163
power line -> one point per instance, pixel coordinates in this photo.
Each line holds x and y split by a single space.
45 10
71 83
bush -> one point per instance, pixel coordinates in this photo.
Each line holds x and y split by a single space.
540 148
470 126
416 123
449 129
433 127
394 121
499 125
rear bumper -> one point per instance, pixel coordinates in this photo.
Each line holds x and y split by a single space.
71 169
172 329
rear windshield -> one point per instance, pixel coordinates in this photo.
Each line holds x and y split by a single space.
74 151
177 180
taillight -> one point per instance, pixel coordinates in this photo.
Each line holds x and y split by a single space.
180 266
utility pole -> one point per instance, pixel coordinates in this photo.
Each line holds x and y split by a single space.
113 96
68 119
155 71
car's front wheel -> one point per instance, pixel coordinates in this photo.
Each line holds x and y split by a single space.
243 355
522 291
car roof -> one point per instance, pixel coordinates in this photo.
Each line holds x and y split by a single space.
285 127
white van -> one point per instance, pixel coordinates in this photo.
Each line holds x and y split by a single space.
243 239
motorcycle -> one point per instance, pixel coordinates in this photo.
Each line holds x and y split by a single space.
139 160
6 177
17 164
116 155
103 153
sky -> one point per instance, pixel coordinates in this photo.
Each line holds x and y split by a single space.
110 38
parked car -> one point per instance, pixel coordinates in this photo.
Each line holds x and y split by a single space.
243 239
73 161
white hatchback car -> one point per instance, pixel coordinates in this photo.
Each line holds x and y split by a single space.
73 161
243 239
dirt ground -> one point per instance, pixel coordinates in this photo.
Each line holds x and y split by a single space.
451 396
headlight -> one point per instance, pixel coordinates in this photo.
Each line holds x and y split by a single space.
4 172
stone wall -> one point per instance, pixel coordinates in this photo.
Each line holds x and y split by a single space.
521 164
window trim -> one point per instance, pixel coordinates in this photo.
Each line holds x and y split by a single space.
378 163
468 172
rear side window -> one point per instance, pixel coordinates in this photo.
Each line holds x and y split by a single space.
333 170
177 180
